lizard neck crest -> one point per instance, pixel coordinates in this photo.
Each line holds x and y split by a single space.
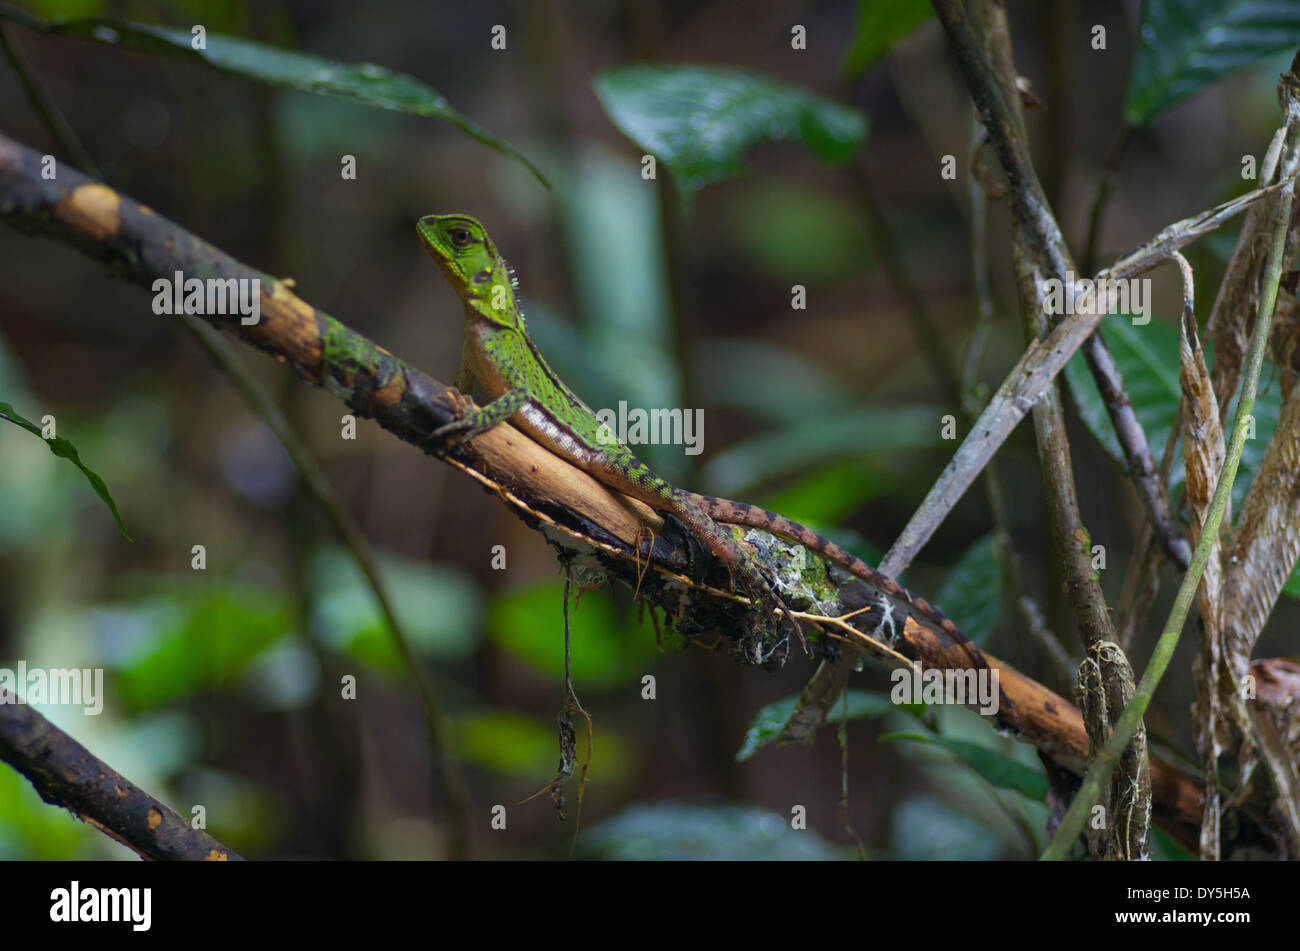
470 261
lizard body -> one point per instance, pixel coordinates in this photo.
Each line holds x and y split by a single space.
501 357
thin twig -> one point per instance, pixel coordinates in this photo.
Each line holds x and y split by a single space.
1105 186
57 124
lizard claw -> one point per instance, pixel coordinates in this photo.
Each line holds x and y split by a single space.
462 405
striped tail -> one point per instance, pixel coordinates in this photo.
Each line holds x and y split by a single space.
742 513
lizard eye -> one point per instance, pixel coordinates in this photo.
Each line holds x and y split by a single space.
459 237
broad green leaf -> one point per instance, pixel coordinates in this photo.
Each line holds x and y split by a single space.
66 450
972 593
830 437
881 24
701 120
361 83
1185 45
1147 357
998 769
768 723
677 831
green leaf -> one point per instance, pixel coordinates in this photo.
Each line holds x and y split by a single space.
1164 848
66 450
700 120
1147 358
362 83
771 719
972 593
1185 45
881 24
997 768
1292 586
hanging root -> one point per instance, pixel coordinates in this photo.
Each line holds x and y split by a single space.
568 738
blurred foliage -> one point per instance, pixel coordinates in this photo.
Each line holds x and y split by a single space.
700 120
192 637
439 608
825 438
605 651
879 25
925 828
675 831
819 239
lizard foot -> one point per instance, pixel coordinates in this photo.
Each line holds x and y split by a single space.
463 406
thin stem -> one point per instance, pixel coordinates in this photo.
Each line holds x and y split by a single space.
1104 188
55 121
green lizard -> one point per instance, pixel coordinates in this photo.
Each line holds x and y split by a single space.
501 357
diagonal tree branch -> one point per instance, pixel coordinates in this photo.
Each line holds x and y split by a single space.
66 774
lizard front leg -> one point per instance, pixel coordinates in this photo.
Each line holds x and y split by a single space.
481 420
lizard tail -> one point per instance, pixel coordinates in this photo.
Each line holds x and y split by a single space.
742 513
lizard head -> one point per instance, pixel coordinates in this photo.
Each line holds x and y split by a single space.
469 259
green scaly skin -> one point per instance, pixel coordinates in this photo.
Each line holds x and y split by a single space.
501 357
